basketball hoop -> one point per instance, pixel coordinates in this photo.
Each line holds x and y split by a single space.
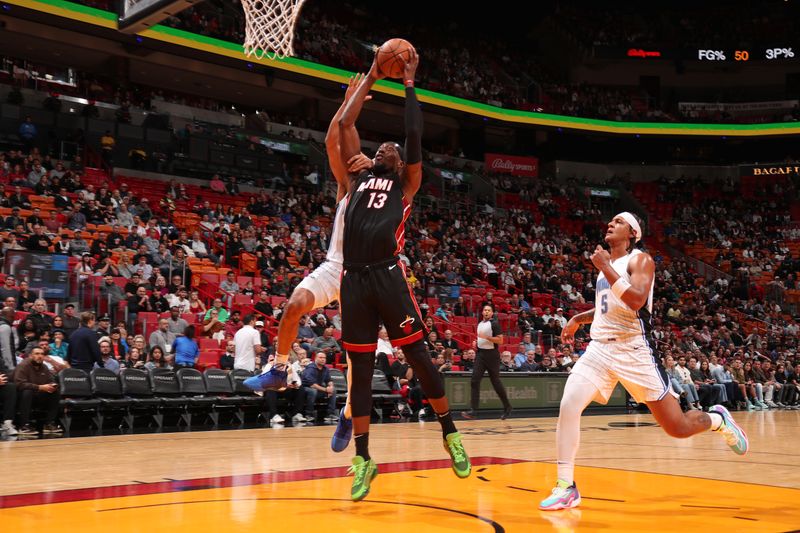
269 27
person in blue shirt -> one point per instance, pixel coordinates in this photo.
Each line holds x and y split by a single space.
317 383
185 349
27 132
58 347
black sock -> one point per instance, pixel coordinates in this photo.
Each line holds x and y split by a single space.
447 423
362 445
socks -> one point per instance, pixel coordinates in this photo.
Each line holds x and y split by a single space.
362 446
565 472
446 422
716 421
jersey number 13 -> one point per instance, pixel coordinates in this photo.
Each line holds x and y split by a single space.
377 200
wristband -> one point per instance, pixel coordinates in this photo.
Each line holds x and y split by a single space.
409 83
619 287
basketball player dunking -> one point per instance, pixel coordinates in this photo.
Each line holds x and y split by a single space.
374 286
321 287
622 350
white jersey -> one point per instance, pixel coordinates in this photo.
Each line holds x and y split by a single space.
335 253
613 319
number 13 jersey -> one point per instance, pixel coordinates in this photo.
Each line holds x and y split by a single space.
613 319
375 219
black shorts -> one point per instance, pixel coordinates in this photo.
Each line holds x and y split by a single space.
373 294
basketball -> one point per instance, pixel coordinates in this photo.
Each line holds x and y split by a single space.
392 57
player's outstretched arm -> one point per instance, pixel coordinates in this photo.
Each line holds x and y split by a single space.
332 148
349 140
413 123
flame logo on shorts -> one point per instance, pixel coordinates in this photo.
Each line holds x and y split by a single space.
406 324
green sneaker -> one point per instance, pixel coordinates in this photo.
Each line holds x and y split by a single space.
461 465
364 472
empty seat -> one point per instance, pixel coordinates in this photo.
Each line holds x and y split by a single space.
136 387
193 387
108 389
76 392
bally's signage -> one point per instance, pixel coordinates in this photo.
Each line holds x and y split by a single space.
770 170
512 164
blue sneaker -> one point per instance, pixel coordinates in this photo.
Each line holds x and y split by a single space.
343 434
563 496
734 435
273 379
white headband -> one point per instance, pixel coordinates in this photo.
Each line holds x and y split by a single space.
630 219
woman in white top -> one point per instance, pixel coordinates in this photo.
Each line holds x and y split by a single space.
487 358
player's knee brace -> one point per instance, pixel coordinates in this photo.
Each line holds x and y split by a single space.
420 360
361 369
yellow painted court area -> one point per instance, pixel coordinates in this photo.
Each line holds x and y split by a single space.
494 498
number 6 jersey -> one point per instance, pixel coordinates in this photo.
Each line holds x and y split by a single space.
374 219
613 319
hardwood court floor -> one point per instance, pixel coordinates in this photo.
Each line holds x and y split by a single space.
631 476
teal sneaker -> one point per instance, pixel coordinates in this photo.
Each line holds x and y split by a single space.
563 496
461 465
734 435
364 472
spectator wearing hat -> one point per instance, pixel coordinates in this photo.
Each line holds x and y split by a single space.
71 322
265 340
103 328
59 346
560 318
83 351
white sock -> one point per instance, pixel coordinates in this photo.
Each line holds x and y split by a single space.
716 421
566 471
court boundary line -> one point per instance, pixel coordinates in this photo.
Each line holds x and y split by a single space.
276 476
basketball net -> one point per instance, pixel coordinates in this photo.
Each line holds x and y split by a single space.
269 27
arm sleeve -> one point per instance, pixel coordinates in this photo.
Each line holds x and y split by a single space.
413 120
496 328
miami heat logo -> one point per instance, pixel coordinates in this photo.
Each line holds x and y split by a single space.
406 324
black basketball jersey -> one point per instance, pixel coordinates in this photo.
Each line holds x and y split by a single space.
375 219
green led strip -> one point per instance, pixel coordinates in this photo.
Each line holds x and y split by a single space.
211 45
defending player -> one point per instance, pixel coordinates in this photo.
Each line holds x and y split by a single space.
622 350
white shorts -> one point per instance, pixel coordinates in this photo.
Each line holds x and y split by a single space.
632 363
323 283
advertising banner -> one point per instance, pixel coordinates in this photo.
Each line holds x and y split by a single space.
513 164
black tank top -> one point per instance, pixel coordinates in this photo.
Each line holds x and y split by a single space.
374 220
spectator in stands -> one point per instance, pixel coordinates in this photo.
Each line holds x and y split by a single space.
156 359
530 364
103 328
109 361
37 386
107 143
708 394
248 344
14 220
326 344
58 348
41 320
134 359
35 219
162 336
449 343
222 313
229 287
185 349
180 300
232 187
71 322
176 324
19 200
263 306
36 174
8 345
9 288
119 346
317 383
217 185
196 305
111 292
228 357
265 340
138 303
27 133
212 326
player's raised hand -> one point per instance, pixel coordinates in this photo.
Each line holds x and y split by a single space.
600 257
375 71
410 68
353 84
358 163
568 331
